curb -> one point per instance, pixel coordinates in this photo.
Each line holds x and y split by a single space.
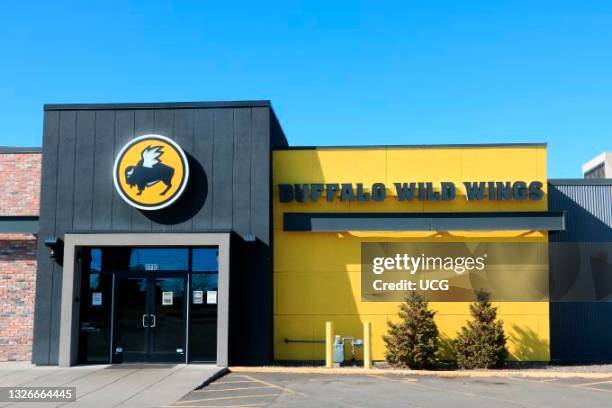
443 374
221 373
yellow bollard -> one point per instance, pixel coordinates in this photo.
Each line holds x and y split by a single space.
367 350
329 344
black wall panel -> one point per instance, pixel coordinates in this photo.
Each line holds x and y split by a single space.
581 332
46 266
184 130
260 169
223 160
228 146
203 150
144 123
85 128
163 124
103 189
124 131
64 212
241 172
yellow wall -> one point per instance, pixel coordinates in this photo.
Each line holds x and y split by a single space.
317 275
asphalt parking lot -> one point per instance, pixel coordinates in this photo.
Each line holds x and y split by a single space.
325 390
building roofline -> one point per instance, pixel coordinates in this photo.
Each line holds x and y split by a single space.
414 146
156 105
595 161
19 149
580 182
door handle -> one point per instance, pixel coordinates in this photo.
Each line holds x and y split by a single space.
154 321
144 316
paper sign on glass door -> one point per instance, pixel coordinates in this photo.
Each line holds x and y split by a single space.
198 297
166 298
96 299
211 297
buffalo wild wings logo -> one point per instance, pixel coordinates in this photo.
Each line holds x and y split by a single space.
151 172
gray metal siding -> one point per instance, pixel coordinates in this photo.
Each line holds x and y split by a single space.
45 267
581 332
588 212
231 145
229 153
138 123
241 173
223 153
203 149
103 211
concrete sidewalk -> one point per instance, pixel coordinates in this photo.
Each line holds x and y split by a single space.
109 386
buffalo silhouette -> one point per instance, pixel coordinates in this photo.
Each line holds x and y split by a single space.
149 171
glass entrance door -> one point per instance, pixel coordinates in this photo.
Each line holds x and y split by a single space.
148 304
150 324
132 321
167 325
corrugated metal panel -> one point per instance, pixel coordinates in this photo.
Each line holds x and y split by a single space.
581 332
588 212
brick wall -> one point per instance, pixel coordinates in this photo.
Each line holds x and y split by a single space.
17 284
20 183
19 195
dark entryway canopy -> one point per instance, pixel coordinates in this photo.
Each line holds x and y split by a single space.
465 221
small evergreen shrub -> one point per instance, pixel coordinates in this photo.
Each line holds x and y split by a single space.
482 343
413 341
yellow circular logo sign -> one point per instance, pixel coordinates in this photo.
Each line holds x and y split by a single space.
151 172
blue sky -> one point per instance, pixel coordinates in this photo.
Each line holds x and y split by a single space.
337 72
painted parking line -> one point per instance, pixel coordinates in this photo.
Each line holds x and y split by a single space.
235 391
229 382
583 386
290 391
535 380
557 382
214 406
183 403
592 383
405 380
464 393
595 389
592 386
231 389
